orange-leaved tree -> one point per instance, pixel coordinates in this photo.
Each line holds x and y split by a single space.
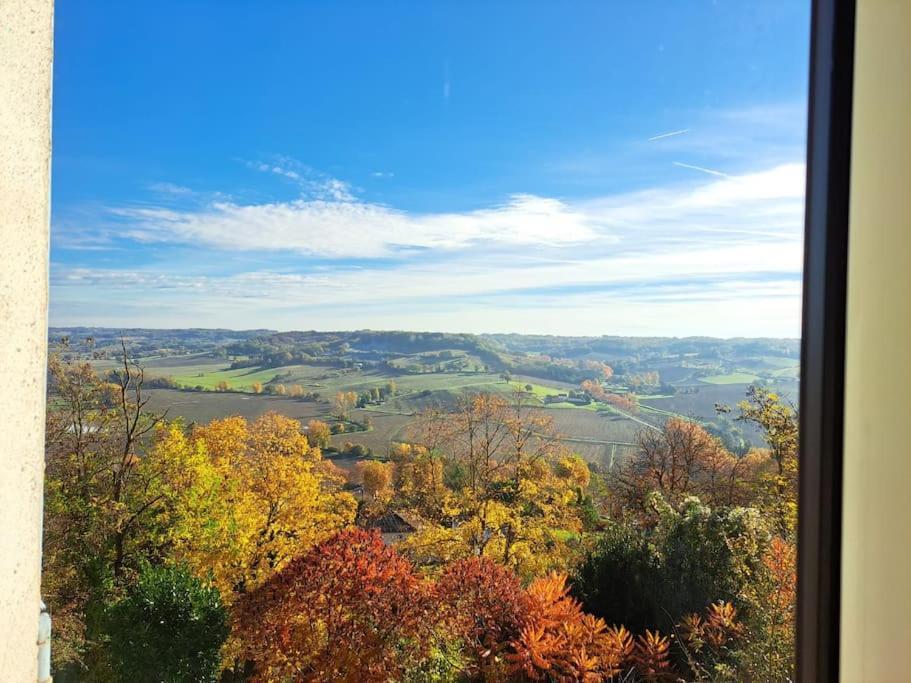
780 426
560 641
772 597
680 460
351 609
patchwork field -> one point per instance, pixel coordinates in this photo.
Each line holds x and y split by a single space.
597 435
198 406
598 432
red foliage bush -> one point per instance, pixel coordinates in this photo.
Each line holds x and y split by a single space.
351 609
484 604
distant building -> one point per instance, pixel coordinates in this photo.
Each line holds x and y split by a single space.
396 526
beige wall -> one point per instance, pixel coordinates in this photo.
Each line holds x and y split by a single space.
876 571
25 91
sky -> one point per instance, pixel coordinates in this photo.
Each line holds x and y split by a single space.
584 168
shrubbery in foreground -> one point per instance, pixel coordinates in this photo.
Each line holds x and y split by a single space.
169 627
353 609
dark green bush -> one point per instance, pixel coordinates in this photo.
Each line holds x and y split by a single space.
650 575
168 629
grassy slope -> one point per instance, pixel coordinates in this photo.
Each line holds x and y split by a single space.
730 378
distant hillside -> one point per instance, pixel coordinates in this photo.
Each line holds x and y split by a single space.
143 342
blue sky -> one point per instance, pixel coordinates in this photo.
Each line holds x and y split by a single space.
566 168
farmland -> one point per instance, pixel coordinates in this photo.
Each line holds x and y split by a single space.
251 374
596 434
205 406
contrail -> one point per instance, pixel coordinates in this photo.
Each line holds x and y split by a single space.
669 135
700 168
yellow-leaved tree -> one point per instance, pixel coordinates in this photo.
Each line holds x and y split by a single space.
511 490
780 426
255 495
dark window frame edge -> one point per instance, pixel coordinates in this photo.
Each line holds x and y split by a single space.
823 339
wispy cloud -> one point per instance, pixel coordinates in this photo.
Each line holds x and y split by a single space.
170 189
668 135
341 227
312 183
659 261
709 171
760 134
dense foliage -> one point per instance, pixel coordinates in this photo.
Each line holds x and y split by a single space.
233 548
169 628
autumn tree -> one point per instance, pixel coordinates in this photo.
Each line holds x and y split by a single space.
102 505
768 653
318 434
257 387
636 381
628 402
560 641
344 402
222 386
594 389
484 605
297 391
350 609
779 424
353 609
510 495
267 484
679 460
376 477
417 475
602 371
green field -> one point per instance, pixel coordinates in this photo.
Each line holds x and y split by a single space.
169 366
792 372
328 380
781 362
730 378
238 380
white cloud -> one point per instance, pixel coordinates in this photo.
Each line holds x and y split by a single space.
768 203
345 228
728 306
663 261
313 184
170 189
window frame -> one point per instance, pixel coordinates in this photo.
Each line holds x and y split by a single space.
823 338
